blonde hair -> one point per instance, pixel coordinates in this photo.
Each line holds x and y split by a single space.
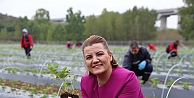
94 39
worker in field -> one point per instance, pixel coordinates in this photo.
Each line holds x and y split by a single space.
69 45
138 59
172 49
78 44
26 42
152 47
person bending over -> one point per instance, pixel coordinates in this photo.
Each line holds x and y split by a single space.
172 49
138 60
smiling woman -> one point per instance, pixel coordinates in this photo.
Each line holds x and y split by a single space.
105 78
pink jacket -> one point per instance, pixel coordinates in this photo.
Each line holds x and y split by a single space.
121 84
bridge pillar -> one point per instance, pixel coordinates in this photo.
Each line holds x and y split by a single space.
163 24
178 26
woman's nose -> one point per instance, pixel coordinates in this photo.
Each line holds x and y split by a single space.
95 60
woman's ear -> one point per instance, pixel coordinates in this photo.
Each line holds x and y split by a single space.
110 54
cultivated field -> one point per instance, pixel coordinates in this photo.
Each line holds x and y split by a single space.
14 66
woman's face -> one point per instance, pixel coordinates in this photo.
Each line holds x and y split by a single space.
97 59
24 33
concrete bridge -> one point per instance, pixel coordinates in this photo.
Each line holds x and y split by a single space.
59 20
162 16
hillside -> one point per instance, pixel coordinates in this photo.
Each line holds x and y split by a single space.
7 21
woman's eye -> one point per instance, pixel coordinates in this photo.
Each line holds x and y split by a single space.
88 58
99 54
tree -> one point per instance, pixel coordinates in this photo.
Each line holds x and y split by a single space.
22 22
7 22
107 24
4 34
35 30
187 20
138 22
130 25
42 16
75 26
42 23
104 25
17 34
59 33
49 36
91 26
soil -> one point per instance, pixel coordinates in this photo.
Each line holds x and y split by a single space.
53 89
67 95
40 88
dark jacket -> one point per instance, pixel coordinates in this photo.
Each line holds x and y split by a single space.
26 41
131 61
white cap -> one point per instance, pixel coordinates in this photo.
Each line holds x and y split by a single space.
25 30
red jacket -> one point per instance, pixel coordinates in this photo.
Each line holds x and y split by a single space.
25 43
172 47
152 47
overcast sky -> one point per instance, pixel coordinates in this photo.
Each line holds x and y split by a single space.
58 8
